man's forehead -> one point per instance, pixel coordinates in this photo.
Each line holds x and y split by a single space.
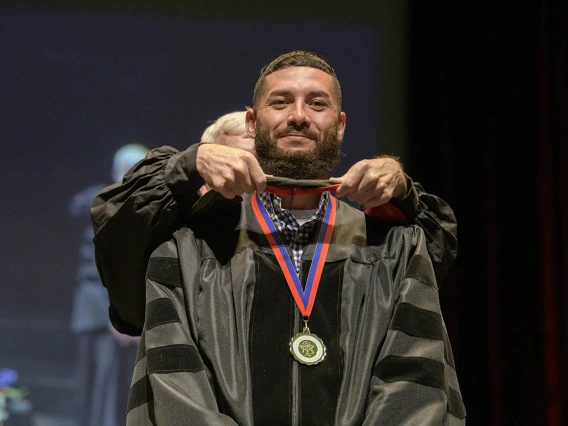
297 78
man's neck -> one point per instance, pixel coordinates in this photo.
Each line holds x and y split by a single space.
301 202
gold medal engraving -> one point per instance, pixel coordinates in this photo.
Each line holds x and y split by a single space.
307 348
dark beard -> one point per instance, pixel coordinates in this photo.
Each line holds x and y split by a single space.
316 164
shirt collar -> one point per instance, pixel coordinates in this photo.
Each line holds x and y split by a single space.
273 204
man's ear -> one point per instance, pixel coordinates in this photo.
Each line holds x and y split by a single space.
341 126
250 121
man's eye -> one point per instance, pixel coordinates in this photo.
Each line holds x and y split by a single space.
278 102
318 104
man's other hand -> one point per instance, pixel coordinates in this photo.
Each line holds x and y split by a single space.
373 182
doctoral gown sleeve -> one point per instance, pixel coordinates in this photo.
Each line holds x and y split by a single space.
171 383
131 218
414 379
439 223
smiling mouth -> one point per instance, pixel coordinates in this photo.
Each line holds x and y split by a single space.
296 136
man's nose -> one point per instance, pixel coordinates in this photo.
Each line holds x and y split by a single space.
298 115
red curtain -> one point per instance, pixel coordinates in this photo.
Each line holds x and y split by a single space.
552 52
489 115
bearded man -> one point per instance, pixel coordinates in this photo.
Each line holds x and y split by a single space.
276 303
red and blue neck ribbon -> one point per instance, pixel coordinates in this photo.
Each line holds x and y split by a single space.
304 297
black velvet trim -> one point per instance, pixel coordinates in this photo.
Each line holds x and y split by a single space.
318 407
417 322
271 328
164 270
424 371
160 311
455 404
173 359
415 269
140 393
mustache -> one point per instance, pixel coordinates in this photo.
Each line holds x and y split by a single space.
313 164
291 129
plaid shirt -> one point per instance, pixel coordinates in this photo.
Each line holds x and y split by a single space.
291 232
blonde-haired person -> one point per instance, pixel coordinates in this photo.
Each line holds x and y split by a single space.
229 130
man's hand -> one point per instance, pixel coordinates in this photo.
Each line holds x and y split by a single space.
372 182
229 171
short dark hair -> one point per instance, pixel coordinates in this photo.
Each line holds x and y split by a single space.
296 58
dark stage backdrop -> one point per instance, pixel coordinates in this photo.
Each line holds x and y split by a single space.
76 85
490 134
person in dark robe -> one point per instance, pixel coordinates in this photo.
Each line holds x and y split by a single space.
273 302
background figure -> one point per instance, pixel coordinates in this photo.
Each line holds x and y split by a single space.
229 130
105 358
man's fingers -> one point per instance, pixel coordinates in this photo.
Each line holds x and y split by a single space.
354 187
244 183
230 171
371 182
350 180
258 178
377 198
339 192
